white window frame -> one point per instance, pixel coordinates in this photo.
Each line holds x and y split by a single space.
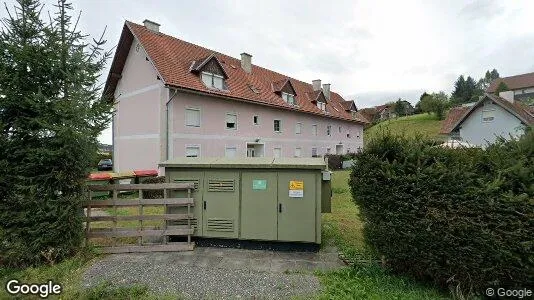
321 105
226 123
298 128
314 129
288 98
279 125
329 130
487 119
212 86
226 148
257 120
197 146
298 152
316 152
277 148
199 116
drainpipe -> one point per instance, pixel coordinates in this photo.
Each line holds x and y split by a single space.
167 123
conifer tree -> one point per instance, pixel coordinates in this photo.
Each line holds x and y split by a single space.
51 113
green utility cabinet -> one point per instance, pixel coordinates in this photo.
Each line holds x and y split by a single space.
254 198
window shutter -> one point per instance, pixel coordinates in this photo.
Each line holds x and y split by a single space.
192 117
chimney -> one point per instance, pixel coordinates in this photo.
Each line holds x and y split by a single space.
246 62
508 95
316 84
151 25
326 90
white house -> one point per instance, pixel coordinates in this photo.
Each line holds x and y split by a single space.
491 117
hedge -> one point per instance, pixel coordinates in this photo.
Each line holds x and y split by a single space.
461 218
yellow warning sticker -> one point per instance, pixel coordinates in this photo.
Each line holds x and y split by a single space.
296 189
296 185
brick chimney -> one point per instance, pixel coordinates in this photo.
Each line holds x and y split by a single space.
326 90
316 84
508 96
246 62
151 25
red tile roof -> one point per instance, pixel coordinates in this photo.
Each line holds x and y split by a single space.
513 82
173 58
454 115
458 114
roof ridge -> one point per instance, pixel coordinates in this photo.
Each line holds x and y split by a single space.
220 53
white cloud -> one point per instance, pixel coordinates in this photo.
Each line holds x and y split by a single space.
375 50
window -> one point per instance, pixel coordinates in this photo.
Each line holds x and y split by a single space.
192 117
339 129
314 129
488 115
297 152
328 150
289 98
230 152
298 128
212 80
314 152
277 152
348 135
231 121
256 120
348 150
328 130
192 151
321 106
277 126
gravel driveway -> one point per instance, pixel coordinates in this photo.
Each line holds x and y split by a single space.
217 272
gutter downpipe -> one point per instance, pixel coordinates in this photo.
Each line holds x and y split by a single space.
167 122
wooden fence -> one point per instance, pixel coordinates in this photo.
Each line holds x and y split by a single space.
114 232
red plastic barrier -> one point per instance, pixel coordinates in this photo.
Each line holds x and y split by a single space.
145 173
100 176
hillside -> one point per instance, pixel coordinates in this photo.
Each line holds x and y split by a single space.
423 124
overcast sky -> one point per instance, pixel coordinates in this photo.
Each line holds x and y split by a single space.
370 51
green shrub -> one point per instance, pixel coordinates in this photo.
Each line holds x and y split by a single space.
335 161
153 194
461 218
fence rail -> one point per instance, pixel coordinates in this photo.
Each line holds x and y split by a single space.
115 232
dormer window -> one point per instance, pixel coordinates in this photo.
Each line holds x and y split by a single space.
321 106
213 80
211 72
284 88
289 98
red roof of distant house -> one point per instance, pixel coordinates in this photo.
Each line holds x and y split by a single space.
458 114
173 58
513 82
454 115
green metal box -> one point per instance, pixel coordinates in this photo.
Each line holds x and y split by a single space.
278 199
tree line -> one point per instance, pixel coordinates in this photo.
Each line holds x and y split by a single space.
466 90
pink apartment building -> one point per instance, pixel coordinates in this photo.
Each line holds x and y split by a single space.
173 98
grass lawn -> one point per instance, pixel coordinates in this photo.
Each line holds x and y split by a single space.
425 124
366 280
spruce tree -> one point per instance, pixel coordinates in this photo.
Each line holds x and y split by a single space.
51 113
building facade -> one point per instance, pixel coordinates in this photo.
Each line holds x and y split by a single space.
173 99
481 123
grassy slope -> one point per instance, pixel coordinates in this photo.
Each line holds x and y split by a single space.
343 228
423 124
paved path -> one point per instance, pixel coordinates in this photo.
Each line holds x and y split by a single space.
218 272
